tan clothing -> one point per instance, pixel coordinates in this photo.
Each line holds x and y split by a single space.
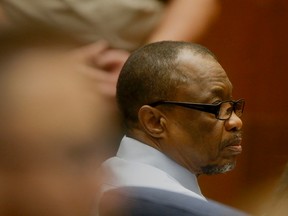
124 23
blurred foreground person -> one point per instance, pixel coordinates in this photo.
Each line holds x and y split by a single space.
180 118
52 125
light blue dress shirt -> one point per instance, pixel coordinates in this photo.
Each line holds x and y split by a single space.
137 164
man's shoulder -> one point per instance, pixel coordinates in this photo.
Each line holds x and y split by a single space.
134 201
123 172
151 169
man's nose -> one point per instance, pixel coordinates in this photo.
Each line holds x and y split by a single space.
234 123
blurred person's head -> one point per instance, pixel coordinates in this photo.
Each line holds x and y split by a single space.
52 126
276 204
177 98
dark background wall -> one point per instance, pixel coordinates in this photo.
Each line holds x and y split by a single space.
251 40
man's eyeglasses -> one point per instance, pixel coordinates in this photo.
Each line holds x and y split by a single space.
222 110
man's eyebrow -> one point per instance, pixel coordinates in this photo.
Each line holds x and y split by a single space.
220 92
216 91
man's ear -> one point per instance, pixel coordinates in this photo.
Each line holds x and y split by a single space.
152 120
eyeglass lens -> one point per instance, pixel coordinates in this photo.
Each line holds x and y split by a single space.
227 108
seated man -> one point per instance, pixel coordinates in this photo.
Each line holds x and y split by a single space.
180 118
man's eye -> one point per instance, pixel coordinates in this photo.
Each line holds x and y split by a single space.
229 110
217 102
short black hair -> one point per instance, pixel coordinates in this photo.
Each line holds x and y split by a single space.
151 74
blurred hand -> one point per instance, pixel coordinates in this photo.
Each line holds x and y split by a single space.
104 65
112 60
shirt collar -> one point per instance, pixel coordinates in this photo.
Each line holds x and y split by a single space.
132 150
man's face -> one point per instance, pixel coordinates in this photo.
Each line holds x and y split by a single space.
50 133
197 140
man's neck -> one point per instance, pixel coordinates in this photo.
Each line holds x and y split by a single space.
144 138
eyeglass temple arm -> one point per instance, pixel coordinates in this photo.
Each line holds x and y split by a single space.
209 108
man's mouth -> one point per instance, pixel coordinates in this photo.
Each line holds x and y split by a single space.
234 149
234 146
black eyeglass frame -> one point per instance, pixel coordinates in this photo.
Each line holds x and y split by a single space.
209 108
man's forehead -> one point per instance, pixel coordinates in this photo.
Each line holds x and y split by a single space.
199 67
203 75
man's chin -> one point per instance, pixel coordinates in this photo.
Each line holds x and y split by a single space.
216 169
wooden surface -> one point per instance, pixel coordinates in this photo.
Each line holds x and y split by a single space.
251 41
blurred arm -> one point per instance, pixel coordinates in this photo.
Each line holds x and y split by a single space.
3 18
186 20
